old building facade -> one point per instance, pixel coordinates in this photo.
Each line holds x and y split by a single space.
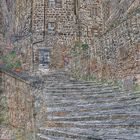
45 29
46 32
90 37
57 29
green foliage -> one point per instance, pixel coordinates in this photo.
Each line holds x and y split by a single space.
12 54
104 81
77 73
10 60
17 64
89 78
9 66
77 44
136 87
79 48
14 65
74 52
84 46
7 59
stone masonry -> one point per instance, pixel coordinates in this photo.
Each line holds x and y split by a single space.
22 103
99 39
120 41
49 30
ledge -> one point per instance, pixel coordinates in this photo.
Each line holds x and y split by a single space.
22 76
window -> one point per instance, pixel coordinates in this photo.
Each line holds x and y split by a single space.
58 3
94 12
51 27
51 3
55 3
44 58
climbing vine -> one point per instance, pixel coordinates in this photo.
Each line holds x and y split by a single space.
79 48
11 61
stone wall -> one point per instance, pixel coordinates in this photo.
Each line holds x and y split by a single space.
1 21
64 34
65 30
56 27
89 26
23 49
22 23
20 105
17 35
38 21
119 43
109 28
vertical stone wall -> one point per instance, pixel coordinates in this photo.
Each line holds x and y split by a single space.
20 105
65 31
89 25
119 43
20 36
22 23
1 20
23 49
109 28
72 20
38 20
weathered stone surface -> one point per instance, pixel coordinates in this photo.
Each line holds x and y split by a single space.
86 110
19 90
110 29
119 41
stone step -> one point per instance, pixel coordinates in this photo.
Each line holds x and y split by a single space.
89 101
82 113
99 87
92 133
62 84
69 84
70 94
96 117
82 91
66 134
131 123
74 93
44 137
77 82
122 134
80 84
80 103
90 91
129 136
102 95
97 107
79 110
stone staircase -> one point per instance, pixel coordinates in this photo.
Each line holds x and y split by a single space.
81 110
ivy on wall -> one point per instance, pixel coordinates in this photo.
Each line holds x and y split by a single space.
79 48
11 61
